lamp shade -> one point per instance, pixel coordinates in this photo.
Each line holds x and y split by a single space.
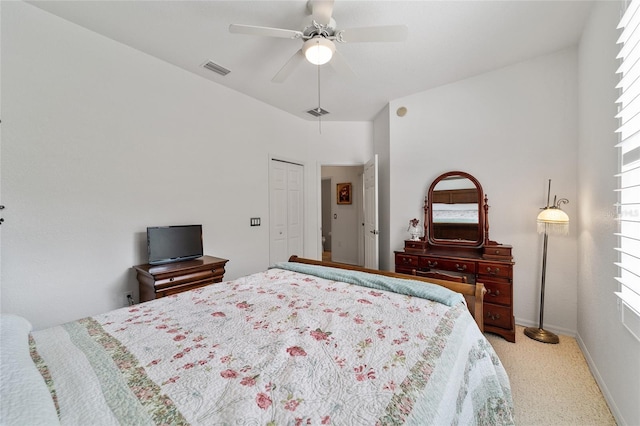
553 215
318 50
553 219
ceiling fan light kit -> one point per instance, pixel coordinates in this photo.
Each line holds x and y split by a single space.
318 50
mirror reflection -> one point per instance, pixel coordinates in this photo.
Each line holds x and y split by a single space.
455 205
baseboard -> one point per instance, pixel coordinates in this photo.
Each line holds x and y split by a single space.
598 378
549 327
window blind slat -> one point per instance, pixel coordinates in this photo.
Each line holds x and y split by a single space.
629 229
626 97
631 299
626 18
627 286
628 78
629 60
630 195
629 280
629 111
630 177
630 128
629 143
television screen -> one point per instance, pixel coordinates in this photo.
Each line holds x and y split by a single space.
166 244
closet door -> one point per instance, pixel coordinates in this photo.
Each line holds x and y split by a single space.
286 197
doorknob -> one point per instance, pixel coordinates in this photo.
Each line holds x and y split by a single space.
375 232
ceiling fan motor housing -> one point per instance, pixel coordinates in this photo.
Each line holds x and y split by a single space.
312 29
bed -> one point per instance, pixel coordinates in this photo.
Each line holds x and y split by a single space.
303 343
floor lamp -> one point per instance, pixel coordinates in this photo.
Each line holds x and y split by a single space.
550 220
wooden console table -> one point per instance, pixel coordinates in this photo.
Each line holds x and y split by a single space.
157 281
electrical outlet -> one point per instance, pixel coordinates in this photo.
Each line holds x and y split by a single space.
128 298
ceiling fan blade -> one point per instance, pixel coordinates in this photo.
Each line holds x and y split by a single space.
264 31
366 34
321 11
289 67
340 65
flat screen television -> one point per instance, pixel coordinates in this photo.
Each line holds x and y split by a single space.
166 244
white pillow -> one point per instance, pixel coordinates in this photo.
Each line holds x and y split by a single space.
24 396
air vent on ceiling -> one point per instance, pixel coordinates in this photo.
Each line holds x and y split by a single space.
219 69
317 112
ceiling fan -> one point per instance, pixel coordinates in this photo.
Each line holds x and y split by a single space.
319 38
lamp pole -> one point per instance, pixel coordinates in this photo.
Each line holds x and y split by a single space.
540 334
544 273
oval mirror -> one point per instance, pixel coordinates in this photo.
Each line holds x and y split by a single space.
455 211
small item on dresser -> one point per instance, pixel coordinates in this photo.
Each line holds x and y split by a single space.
414 229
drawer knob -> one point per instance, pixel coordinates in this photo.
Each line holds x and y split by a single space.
493 316
432 264
493 271
213 270
406 260
491 293
461 268
171 279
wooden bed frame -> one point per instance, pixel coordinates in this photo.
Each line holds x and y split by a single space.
473 293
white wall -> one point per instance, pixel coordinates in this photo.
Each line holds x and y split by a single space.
100 141
612 352
512 128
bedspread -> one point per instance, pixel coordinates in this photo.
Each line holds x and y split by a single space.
276 348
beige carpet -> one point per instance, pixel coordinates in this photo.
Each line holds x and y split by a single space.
551 383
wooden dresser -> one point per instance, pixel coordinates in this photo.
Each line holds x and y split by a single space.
495 273
456 242
155 281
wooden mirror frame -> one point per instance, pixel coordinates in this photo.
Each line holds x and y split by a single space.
483 227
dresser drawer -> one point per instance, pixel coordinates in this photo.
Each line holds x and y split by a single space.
447 265
185 287
497 316
499 270
497 251
498 293
404 261
415 246
174 281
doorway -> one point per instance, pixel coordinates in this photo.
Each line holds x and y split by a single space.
354 225
342 219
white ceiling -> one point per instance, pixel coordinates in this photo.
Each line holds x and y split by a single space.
448 41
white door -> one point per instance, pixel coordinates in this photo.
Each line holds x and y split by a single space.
371 243
286 197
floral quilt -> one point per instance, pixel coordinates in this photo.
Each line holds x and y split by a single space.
275 348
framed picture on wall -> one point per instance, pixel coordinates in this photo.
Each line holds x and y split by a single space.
343 193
